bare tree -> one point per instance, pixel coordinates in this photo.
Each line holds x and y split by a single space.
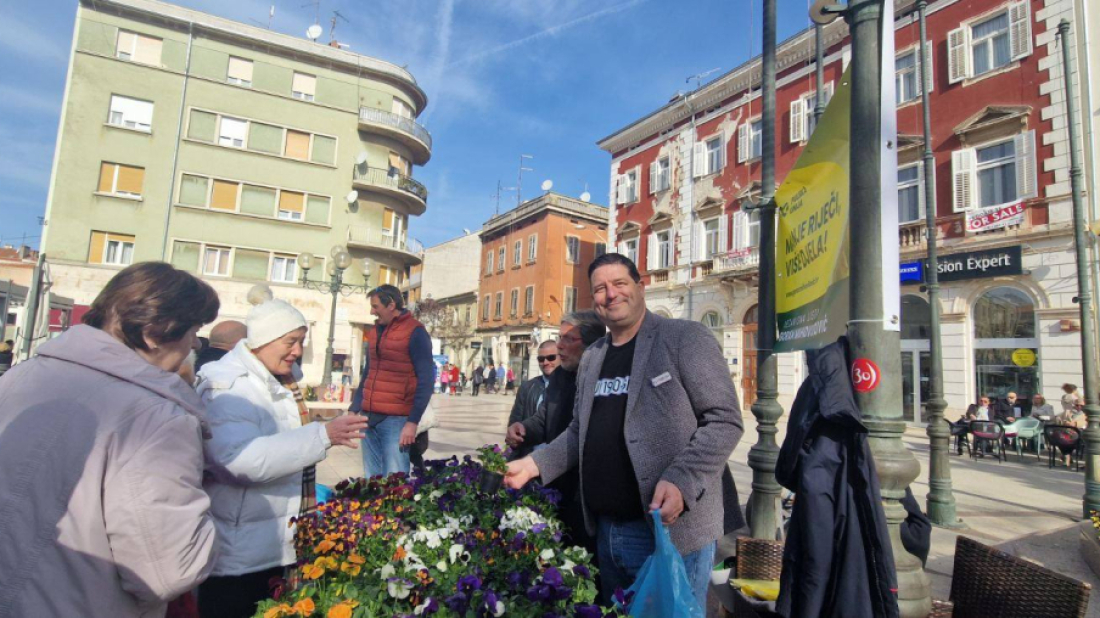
443 322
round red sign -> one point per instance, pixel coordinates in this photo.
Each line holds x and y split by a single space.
865 375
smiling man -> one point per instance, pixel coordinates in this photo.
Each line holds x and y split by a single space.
656 419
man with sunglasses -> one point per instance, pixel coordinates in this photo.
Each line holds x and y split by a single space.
531 392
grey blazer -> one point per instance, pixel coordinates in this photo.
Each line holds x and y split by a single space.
683 421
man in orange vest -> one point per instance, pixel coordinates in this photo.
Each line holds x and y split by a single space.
397 383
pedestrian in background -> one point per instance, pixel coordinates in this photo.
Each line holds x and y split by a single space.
1071 400
510 376
530 395
101 451
445 378
479 377
491 379
7 355
261 457
223 338
454 379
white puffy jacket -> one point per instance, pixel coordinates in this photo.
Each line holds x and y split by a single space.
254 461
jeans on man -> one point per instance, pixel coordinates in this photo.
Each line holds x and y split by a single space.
382 452
623 549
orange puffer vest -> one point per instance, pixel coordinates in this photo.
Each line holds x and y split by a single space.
391 381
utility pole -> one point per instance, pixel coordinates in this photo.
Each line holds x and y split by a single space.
30 312
941 500
1091 501
763 503
819 73
870 343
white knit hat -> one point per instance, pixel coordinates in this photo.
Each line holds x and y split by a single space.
270 320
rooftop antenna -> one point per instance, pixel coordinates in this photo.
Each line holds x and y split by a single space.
698 77
270 17
316 4
332 28
500 190
519 180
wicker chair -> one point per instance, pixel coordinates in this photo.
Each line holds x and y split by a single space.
756 559
989 582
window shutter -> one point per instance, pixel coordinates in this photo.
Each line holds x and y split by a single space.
921 201
798 120
1019 15
651 253
743 145
723 235
829 89
1026 185
739 225
652 178
958 55
95 250
130 179
963 171
697 242
930 84
620 189
699 159
620 248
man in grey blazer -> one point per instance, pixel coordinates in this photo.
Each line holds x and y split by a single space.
656 419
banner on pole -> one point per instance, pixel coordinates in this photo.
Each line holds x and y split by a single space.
888 168
994 217
811 274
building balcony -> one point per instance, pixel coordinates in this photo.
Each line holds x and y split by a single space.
405 130
413 194
372 239
736 264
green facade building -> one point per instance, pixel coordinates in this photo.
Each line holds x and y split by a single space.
228 150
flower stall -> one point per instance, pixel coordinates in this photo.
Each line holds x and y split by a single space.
437 544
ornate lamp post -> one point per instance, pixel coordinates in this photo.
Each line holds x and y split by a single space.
335 286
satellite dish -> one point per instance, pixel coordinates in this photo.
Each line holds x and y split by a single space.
586 196
820 12
466 231
361 158
314 32
547 185
353 197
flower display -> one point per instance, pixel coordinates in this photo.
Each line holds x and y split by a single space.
432 544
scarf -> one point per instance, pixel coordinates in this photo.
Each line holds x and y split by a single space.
309 475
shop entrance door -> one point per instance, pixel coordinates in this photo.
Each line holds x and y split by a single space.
915 378
748 366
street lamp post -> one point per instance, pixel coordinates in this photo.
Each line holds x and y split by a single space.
941 500
1091 500
869 341
335 286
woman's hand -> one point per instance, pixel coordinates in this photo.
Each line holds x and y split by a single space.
345 430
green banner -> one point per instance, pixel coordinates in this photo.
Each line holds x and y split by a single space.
811 274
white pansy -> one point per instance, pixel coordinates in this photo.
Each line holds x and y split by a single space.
498 609
398 588
422 607
521 518
441 566
417 497
455 552
388 571
567 565
547 555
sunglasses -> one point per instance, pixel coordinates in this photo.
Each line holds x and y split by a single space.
551 358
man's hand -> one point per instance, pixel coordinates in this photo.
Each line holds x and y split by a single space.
345 430
520 472
516 433
408 434
668 498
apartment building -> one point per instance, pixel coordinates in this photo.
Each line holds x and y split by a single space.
229 150
681 175
446 287
534 269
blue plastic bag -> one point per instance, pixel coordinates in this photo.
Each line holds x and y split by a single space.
324 493
662 589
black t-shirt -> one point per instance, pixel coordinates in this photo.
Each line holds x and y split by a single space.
610 487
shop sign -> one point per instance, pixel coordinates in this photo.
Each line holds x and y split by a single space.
994 217
980 264
1023 357
912 272
865 375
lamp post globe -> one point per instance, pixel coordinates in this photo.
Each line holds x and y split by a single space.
342 259
305 261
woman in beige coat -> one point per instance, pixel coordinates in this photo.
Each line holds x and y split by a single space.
102 512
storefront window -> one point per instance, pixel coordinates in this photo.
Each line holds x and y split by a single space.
916 318
1006 351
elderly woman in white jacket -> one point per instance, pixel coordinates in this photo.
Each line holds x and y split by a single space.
261 456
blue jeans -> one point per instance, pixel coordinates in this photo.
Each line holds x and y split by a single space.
382 452
623 547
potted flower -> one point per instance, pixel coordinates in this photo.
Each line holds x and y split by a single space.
494 464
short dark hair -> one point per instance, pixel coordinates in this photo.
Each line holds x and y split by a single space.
388 294
154 299
588 322
608 259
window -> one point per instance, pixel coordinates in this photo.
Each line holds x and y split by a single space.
1004 321
601 248
284 269
710 240
803 121
232 132
291 205
215 261
239 71
194 190
750 141
514 305
626 189
713 321
517 253
532 248
297 145
469 312
224 195
500 260
570 300
489 263
112 249
907 74
499 305
987 45
910 192
994 174
630 249
659 175
707 157
131 113
660 247
529 300
714 155
401 108
138 47
485 308
120 180
572 249
303 86
746 231
387 275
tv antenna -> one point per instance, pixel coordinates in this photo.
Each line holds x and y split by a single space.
270 17
316 4
519 180
332 28
500 190
698 77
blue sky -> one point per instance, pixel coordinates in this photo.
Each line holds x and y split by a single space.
504 77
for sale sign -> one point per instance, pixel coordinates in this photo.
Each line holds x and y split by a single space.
994 217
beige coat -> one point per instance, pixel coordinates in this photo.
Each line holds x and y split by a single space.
102 512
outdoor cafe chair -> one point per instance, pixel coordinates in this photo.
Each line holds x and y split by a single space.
1026 428
756 559
988 431
989 582
1062 440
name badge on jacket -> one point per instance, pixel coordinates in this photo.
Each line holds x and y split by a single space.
661 379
